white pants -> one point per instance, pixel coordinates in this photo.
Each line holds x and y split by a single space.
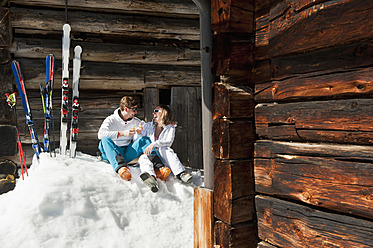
168 157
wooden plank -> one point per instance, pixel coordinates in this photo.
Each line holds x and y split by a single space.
232 139
310 25
237 236
203 218
262 72
151 100
232 101
180 8
233 191
149 27
109 52
186 107
309 121
329 176
232 16
287 224
347 83
5 29
233 55
264 244
8 144
111 76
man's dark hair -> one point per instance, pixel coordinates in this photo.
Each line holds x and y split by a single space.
127 101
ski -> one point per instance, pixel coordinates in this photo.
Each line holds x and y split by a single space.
75 101
46 96
65 87
26 106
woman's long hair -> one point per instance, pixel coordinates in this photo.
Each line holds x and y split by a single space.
166 115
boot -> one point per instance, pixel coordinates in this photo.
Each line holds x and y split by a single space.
162 173
185 177
150 181
125 173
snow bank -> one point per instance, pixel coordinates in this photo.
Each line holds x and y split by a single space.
81 202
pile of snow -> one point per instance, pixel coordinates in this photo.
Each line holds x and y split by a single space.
82 202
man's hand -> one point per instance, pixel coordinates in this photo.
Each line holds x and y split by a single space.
149 149
126 133
139 130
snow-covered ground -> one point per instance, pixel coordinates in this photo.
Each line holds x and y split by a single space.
82 202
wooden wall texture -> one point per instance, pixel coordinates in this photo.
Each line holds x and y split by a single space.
313 159
147 49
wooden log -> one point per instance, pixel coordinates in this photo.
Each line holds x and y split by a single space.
292 21
237 236
107 76
232 139
203 218
349 121
352 83
180 8
323 61
232 16
264 244
41 21
8 144
233 55
151 100
327 178
287 224
262 72
186 108
109 52
232 101
262 7
5 29
233 191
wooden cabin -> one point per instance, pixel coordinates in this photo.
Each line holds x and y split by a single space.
292 104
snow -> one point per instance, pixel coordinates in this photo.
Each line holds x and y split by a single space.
82 202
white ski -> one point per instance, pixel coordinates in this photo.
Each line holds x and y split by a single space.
65 87
75 101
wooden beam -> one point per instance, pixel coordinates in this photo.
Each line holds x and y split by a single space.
234 191
151 100
232 101
237 236
340 121
232 16
232 139
109 52
287 224
5 29
299 26
113 76
180 8
203 218
41 21
330 176
351 83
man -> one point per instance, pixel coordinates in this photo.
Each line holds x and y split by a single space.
117 134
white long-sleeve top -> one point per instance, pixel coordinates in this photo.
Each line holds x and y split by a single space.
113 124
166 137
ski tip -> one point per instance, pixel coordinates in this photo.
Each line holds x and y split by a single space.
78 49
66 27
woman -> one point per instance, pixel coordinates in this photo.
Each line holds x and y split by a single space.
161 132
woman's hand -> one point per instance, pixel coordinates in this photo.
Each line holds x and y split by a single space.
126 133
139 130
149 149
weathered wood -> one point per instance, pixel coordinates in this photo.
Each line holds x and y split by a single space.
299 26
262 7
107 76
324 61
5 29
232 101
263 244
287 224
203 218
232 16
262 72
151 100
262 37
232 55
109 52
186 107
351 83
179 8
232 139
233 191
237 236
350 120
340 183
8 144
40 21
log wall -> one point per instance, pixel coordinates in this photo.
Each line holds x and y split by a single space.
233 133
313 93
146 49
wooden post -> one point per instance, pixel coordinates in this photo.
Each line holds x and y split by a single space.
203 218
